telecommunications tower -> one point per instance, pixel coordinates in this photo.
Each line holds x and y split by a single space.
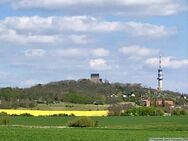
160 76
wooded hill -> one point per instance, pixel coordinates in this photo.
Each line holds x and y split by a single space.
82 91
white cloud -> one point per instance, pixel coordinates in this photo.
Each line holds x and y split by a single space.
80 52
125 7
56 25
38 39
100 52
69 52
168 62
55 29
135 51
99 64
79 39
34 52
148 30
10 35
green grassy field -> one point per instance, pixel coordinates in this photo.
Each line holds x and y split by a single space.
71 106
89 134
110 129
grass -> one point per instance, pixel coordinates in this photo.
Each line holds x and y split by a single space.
143 122
71 106
82 134
110 129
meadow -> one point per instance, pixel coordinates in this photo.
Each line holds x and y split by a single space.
71 106
127 128
84 134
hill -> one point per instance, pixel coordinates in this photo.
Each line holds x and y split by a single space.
83 92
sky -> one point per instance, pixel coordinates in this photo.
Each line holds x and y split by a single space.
51 40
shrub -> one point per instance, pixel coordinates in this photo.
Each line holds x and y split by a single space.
4 121
26 114
72 115
115 110
182 112
178 112
14 115
143 111
160 112
83 122
69 106
59 115
3 114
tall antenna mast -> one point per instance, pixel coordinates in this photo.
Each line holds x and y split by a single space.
160 62
160 75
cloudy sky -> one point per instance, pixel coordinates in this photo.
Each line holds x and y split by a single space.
50 40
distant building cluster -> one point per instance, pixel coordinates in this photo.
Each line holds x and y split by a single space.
158 102
95 78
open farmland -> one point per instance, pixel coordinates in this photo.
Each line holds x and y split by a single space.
142 122
110 128
82 134
71 107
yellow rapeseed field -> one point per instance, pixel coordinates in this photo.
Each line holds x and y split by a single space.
47 113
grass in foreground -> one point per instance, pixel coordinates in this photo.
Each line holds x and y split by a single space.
110 129
82 134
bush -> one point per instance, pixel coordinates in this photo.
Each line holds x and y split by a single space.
14 115
115 110
3 114
143 111
182 112
26 114
4 121
72 115
178 112
59 115
83 122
